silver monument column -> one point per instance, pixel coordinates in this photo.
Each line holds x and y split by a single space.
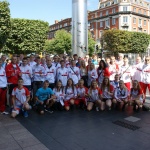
79 27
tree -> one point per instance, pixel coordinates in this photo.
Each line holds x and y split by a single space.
27 36
62 42
91 44
116 40
50 46
140 42
125 41
4 22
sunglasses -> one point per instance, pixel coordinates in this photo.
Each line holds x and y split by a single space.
146 59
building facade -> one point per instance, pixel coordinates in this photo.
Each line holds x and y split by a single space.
130 15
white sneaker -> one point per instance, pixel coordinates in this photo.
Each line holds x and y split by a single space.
97 109
5 113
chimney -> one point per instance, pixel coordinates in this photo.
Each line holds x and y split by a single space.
56 21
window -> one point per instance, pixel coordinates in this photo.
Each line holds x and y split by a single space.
144 22
125 19
145 13
145 31
134 29
106 12
107 22
113 10
134 9
125 8
60 26
134 20
101 14
65 24
139 11
113 21
101 23
107 4
140 21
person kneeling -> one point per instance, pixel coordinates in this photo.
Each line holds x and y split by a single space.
136 94
44 98
121 95
20 98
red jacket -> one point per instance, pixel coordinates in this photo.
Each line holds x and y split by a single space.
9 73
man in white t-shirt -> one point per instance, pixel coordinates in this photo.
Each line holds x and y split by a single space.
20 98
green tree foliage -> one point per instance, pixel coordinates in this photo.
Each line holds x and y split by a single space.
27 36
4 22
50 46
124 41
140 42
91 44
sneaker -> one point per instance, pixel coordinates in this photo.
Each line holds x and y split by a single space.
25 114
5 113
48 110
97 109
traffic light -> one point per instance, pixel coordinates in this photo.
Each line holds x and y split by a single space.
96 47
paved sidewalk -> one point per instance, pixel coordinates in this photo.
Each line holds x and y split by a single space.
13 136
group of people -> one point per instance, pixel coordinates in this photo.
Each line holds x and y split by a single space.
64 82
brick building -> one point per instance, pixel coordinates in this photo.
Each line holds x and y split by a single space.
131 15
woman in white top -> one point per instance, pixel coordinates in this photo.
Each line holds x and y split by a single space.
121 95
107 94
92 74
83 73
94 96
60 94
136 95
70 94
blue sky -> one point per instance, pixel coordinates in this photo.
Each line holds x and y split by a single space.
46 10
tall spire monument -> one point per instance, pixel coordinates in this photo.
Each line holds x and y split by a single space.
79 27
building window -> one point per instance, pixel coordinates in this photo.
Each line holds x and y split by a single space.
140 21
113 10
139 11
101 23
125 19
65 24
60 26
106 12
144 22
134 20
113 21
107 23
134 9
125 8
145 31
101 14
145 13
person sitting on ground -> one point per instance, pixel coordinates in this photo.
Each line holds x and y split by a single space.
121 96
136 94
44 98
94 96
107 94
81 95
20 98
70 94
60 94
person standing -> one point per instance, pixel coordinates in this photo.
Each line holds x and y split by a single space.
3 89
13 73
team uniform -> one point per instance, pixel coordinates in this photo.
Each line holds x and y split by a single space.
59 98
20 98
26 76
94 95
135 94
125 73
32 63
12 79
101 74
81 99
113 69
74 74
120 94
92 75
3 89
56 65
62 75
69 94
115 84
51 76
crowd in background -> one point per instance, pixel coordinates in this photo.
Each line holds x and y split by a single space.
64 82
